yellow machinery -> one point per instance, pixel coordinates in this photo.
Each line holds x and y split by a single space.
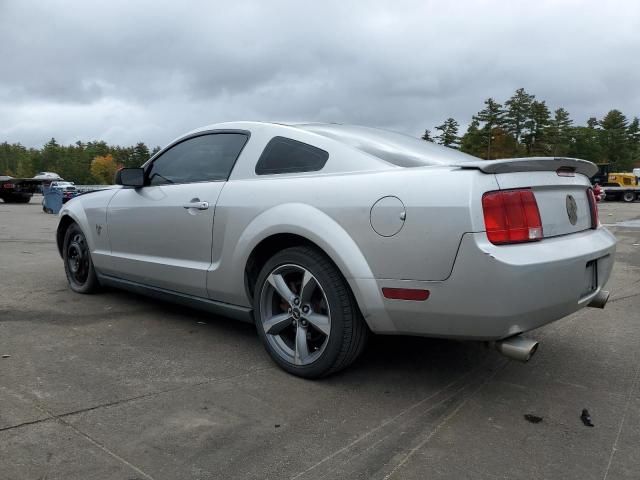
617 186
622 179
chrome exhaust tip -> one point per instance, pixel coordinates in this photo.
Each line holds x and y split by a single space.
517 347
600 300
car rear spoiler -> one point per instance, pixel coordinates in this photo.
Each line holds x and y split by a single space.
533 164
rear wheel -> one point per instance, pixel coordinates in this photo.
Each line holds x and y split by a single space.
77 261
306 315
629 197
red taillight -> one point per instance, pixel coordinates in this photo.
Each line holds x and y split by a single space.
593 204
511 216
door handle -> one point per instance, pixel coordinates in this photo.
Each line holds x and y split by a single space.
197 205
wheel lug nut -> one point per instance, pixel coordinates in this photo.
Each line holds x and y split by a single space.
296 301
305 309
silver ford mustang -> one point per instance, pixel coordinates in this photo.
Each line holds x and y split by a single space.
323 233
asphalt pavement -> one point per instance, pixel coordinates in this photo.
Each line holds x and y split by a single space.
117 386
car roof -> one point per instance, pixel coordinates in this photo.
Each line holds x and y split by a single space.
392 148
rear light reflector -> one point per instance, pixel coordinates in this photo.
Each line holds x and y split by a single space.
511 216
593 205
405 294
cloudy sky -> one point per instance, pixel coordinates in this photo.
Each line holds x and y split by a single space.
128 71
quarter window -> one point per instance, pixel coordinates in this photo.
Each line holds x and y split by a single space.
284 155
205 158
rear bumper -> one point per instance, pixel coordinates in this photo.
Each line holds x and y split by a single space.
497 291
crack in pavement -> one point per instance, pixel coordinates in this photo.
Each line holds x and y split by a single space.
445 420
623 298
614 448
106 450
62 317
377 449
53 416
29 242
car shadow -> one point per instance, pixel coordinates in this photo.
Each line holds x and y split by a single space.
385 356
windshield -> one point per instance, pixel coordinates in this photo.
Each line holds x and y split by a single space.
395 148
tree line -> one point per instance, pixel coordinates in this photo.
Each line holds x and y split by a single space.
83 163
522 126
525 127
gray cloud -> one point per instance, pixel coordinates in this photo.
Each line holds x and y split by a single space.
149 70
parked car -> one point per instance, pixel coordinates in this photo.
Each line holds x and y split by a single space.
61 184
323 233
68 189
47 176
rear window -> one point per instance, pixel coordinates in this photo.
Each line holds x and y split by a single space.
284 155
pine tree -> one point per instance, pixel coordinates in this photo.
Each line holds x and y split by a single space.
614 140
492 116
585 142
518 112
51 156
536 127
426 136
140 154
633 139
559 132
503 144
15 160
24 168
122 155
449 133
472 140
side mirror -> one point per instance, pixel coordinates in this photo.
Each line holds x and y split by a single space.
130 177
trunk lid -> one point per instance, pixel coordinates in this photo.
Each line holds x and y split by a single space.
560 186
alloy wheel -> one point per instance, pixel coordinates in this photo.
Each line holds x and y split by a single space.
295 315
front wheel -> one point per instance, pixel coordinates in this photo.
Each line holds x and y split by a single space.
629 197
77 261
306 315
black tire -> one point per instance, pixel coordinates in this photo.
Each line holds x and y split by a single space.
348 331
629 197
78 265
17 198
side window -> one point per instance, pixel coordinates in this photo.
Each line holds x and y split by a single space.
284 155
208 157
